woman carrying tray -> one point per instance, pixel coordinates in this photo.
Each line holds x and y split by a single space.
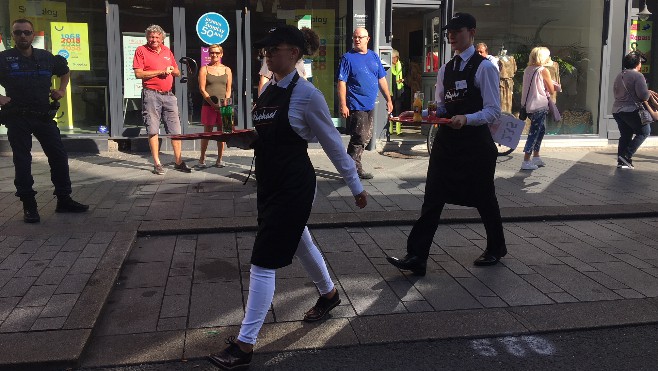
288 114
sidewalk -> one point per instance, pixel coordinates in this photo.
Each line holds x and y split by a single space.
167 258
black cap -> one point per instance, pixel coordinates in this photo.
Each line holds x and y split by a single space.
283 34
460 20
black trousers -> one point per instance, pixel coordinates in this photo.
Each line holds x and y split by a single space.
422 233
359 126
19 133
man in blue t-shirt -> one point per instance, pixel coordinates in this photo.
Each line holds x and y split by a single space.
360 74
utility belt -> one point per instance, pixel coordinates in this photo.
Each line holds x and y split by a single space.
161 92
10 110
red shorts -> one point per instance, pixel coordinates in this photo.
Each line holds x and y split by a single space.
210 117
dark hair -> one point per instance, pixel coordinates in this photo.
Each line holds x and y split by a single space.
311 41
22 20
632 59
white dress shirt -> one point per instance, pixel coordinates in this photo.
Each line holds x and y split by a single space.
310 119
486 79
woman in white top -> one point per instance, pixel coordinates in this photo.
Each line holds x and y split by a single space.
630 88
537 90
289 113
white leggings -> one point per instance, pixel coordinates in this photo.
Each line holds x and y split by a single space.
261 286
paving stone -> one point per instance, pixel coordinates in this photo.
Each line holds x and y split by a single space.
37 296
59 305
509 287
20 319
370 294
216 270
475 287
153 249
6 275
173 323
94 250
532 255
52 276
629 294
541 283
30 246
130 311
349 263
84 265
53 323
294 297
634 278
17 286
151 274
562 297
64 259
32 268
406 291
216 245
179 285
135 348
491 302
15 261
516 266
7 305
444 292
174 306
606 280
577 264
63 346
216 304
72 284
584 252
575 283
635 262
418 306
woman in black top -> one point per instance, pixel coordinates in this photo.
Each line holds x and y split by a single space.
289 113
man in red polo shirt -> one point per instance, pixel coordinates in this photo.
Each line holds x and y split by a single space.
156 66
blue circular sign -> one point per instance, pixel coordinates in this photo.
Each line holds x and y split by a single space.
212 28
64 53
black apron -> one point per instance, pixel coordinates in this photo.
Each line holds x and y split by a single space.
285 180
464 160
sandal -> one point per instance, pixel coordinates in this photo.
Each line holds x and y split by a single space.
321 308
219 164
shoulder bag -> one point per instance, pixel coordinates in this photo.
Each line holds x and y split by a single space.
523 114
645 116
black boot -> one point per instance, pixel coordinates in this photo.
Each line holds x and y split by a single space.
30 211
65 204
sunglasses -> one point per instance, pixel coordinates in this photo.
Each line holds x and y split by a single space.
24 32
215 53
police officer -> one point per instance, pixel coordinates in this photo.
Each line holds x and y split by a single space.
25 73
463 161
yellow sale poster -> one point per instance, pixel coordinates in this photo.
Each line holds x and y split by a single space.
40 13
640 40
71 41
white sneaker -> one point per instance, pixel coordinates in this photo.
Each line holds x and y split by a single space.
528 165
538 161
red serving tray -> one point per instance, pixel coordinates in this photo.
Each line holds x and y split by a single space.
426 120
213 135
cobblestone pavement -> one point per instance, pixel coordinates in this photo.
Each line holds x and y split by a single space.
167 257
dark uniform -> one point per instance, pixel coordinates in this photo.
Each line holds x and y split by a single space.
286 180
462 166
27 82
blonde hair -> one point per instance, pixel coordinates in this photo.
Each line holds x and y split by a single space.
395 53
539 56
216 46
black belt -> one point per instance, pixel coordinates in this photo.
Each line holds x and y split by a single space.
159 91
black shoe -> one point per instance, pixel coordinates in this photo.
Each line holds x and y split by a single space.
321 308
182 167
365 176
231 358
487 258
66 204
30 211
626 161
412 263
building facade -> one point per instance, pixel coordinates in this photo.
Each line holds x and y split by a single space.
587 39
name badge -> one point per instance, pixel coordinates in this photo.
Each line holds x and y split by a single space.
461 85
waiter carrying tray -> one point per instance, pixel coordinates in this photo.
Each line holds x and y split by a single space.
463 159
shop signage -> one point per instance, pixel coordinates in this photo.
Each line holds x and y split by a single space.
640 40
132 86
212 28
71 41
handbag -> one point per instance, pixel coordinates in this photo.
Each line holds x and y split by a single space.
553 111
523 114
645 116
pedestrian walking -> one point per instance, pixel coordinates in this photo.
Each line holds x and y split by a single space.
463 158
156 66
538 87
215 82
288 114
26 74
630 89
360 73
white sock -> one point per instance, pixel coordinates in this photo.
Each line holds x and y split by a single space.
261 293
313 262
